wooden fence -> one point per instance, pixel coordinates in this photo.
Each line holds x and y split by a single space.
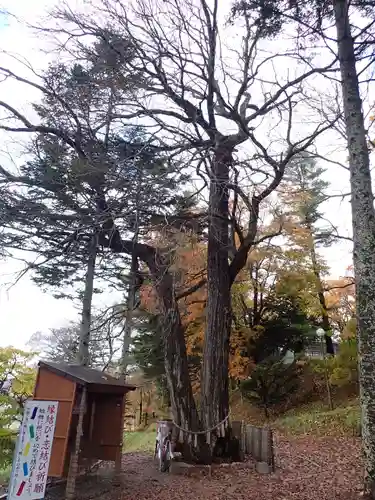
258 443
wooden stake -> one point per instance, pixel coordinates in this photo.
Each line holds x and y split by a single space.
118 461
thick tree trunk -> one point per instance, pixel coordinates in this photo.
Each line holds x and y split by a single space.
215 390
175 354
175 358
363 217
85 331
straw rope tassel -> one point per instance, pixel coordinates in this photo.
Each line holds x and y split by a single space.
195 440
218 428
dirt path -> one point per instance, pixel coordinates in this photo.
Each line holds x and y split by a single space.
309 469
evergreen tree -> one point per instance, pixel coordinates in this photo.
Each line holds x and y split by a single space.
73 182
271 383
87 189
148 351
148 345
305 191
284 326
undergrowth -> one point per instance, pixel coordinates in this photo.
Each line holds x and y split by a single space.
317 421
5 475
142 441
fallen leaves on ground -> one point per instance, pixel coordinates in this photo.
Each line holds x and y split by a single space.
308 468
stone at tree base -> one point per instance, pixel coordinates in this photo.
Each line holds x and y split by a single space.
263 468
180 467
185 469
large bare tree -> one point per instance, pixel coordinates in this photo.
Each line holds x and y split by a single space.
226 110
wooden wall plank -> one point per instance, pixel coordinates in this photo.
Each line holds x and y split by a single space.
51 387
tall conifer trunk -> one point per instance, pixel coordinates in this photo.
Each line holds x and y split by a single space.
84 360
363 217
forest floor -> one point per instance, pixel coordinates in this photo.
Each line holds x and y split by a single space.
308 468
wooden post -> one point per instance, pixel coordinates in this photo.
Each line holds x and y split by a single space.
140 406
249 439
118 461
326 376
272 450
237 431
92 418
91 408
74 460
243 441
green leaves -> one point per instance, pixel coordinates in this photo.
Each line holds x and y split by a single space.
342 368
17 379
271 382
284 326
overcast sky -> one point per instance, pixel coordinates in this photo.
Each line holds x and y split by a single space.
24 309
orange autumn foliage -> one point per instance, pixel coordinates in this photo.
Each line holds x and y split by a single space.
188 267
340 298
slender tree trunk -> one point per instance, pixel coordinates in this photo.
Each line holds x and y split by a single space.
140 405
256 296
131 298
363 217
74 460
130 305
83 359
255 299
215 391
322 300
85 331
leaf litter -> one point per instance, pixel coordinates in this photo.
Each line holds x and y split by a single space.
307 468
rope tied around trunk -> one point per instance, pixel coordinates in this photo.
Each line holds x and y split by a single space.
220 427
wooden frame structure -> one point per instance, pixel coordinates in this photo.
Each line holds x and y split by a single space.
103 421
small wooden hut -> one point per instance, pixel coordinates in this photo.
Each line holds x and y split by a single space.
103 422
